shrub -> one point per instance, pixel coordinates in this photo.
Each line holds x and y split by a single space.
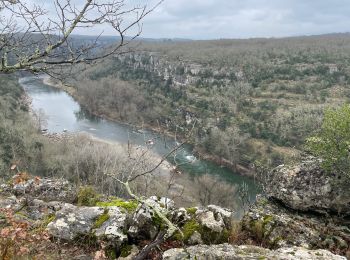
332 143
87 196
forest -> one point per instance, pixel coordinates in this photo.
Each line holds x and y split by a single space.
254 101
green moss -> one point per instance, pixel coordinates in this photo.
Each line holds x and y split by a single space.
48 219
43 224
262 257
125 250
225 234
158 221
87 196
263 202
261 230
274 243
130 206
257 228
191 211
111 253
101 219
267 219
208 236
187 230
22 214
87 240
212 237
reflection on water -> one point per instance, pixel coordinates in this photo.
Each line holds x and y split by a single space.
82 114
63 112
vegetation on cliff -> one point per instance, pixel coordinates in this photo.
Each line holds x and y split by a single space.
332 143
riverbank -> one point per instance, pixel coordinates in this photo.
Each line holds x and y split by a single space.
165 167
189 176
200 153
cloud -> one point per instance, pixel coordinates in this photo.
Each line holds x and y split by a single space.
211 19
207 19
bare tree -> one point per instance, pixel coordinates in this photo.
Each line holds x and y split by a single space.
215 191
36 39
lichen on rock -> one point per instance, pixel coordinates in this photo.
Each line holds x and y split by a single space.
231 252
308 187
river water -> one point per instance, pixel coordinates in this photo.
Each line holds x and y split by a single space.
63 113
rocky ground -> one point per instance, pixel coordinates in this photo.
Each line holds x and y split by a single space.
293 222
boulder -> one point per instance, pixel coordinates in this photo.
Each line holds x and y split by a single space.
214 218
307 187
195 239
211 221
33 209
274 226
44 189
144 222
10 202
72 222
112 228
226 214
38 209
230 252
180 215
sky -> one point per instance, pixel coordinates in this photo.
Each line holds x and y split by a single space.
216 19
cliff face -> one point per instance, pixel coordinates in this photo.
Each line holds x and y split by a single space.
308 187
303 206
182 73
284 229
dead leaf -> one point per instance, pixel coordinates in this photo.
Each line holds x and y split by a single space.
37 180
5 232
100 255
23 250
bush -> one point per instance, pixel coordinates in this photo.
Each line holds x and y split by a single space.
87 196
332 143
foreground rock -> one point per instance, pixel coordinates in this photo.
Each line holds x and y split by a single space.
273 225
230 252
43 189
143 222
77 223
123 227
307 187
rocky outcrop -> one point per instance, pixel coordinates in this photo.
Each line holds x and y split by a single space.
113 222
210 220
45 189
119 225
275 226
307 187
230 252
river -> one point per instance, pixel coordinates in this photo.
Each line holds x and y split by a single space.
63 113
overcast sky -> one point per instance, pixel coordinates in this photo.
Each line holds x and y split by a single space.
209 19
213 19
